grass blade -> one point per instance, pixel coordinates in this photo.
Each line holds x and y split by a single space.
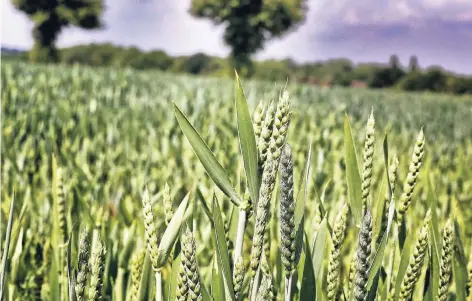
247 141
144 283
352 173
217 281
319 246
222 251
206 157
172 232
3 268
435 243
174 275
404 260
308 281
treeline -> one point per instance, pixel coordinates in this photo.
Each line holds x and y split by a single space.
341 72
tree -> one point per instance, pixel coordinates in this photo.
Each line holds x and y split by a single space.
250 23
413 65
394 62
196 63
50 16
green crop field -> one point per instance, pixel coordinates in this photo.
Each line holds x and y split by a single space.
126 185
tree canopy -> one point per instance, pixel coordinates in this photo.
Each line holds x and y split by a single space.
250 23
50 16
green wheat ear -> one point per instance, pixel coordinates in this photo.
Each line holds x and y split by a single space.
150 231
266 133
97 266
137 262
445 268
392 171
82 265
238 277
190 264
262 212
368 159
287 211
364 249
416 261
334 264
257 120
265 290
167 200
410 183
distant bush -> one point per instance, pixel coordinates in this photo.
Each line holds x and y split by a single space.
338 72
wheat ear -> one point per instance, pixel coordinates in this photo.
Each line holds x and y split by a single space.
97 266
150 231
287 211
334 264
445 268
368 159
262 212
410 183
364 250
137 262
82 265
416 262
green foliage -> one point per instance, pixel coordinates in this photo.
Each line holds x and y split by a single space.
333 72
51 16
249 24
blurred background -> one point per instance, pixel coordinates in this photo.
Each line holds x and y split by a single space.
403 44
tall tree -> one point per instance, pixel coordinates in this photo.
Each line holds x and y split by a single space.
250 23
394 62
413 65
50 16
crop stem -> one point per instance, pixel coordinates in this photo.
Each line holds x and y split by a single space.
288 287
159 286
238 248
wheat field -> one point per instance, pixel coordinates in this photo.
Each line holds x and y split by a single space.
126 185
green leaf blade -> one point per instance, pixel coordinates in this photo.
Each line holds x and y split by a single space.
206 157
247 141
222 251
172 232
352 173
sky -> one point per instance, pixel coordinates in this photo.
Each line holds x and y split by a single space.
438 32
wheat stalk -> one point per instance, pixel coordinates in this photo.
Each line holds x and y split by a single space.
150 231
265 290
368 159
416 261
137 262
167 200
287 211
238 277
190 264
410 183
334 264
364 250
262 212
258 119
445 268
266 133
392 171
82 265
97 266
